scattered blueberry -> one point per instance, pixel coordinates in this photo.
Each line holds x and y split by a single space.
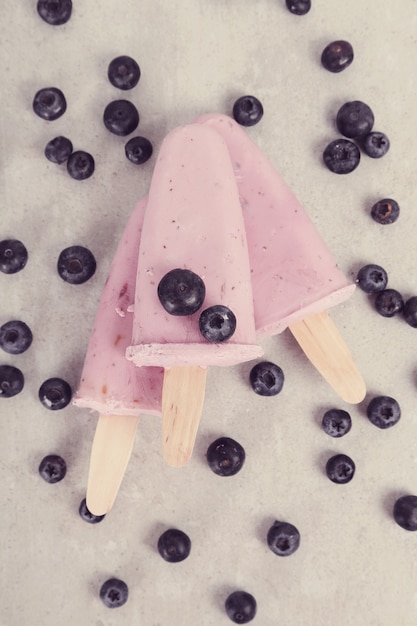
86 514
52 468
15 337
336 422
337 56
376 144
340 469
138 150
80 165
355 119
383 411
341 156
283 538
55 394
13 256
11 381
121 117
55 12
410 311
385 211
389 302
405 512
181 292
266 378
225 456
217 323
58 150
49 103
240 607
123 72
114 593
247 110
298 7
76 265
372 278
174 545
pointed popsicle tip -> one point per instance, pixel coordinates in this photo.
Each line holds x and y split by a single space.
356 392
96 506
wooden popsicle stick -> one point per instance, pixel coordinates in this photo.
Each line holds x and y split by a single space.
326 349
182 403
110 454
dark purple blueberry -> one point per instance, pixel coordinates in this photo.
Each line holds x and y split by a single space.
76 265
217 323
298 7
11 381
121 117
355 119
389 302
410 311
58 150
55 394
375 144
174 545
337 56
372 278
49 103
13 256
383 411
385 211
138 150
123 72
181 292
240 607
86 514
283 538
15 337
114 593
55 12
247 110
266 378
340 469
80 165
341 156
225 456
52 468
336 422
405 512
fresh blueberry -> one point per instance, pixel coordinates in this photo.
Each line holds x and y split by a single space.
225 456
336 422
383 411
337 56
114 593
86 514
52 468
298 7
15 337
341 156
247 110
174 545
49 103
58 150
376 144
55 394
76 265
389 302
266 378
283 538
181 292
11 381
385 211
217 323
240 607
123 72
13 256
405 512
340 469
372 278
55 12
80 165
355 119
121 117
138 150
410 311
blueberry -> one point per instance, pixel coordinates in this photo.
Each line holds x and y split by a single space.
372 278
86 514
383 411
337 56
49 103
217 323
247 110
266 378
123 72
13 256
336 422
121 117
240 607
55 12
114 593
58 150
298 7
225 456
376 144
138 150
80 165
405 512
52 468
340 469
55 394
385 211
76 265
389 302
283 538
341 156
15 337
174 545
11 381
410 311
181 292
355 119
